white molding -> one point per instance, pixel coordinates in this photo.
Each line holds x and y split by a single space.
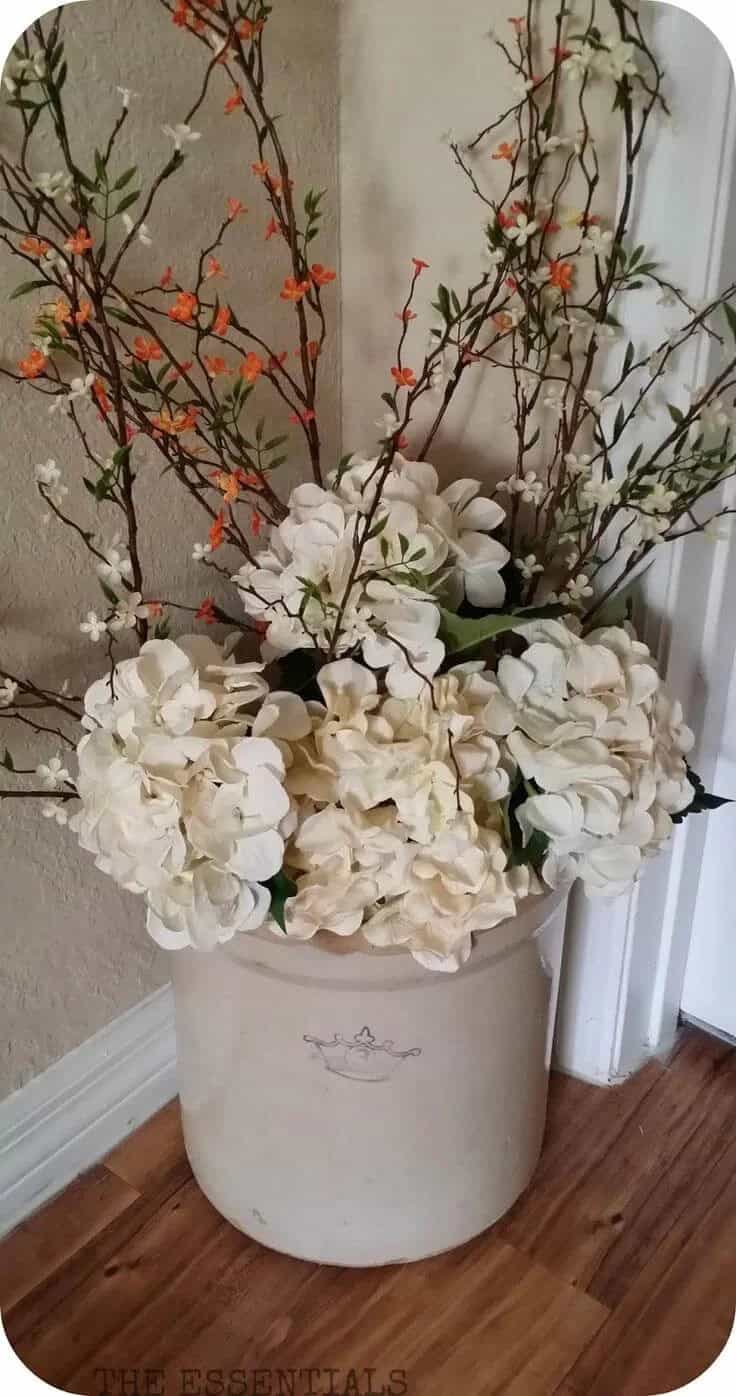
69 1117
625 961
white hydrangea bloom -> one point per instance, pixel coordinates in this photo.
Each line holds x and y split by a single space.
423 545
180 802
398 835
587 723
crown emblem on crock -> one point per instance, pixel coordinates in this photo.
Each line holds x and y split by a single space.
361 1058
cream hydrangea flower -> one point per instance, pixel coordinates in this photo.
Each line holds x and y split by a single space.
590 728
180 802
321 581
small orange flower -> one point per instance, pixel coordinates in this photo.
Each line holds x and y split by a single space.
215 365
217 531
260 168
519 25
277 361
503 321
249 29
303 418
177 373
561 275
322 276
276 185
234 208
229 483
34 247
184 308
406 316
84 313
294 290
174 425
79 242
256 524
62 311
206 611
249 480
167 278
221 320
251 368
313 350
505 151
272 229
146 350
100 396
405 377
33 365
214 268
419 265
234 101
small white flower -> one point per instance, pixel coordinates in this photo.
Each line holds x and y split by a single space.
55 809
600 493
522 230
656 361
593 398
597 240
52 185
129 610
200 551
181 134
521 85
93 626
126 94
577 465
618 62
144 235
47 474
579 587
668 298
553 398
528 566
548 144
116 565
8 692
579 62
53 774
530 488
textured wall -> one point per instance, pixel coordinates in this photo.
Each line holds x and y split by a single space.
73 950
403 196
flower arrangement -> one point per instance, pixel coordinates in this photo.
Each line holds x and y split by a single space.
448 714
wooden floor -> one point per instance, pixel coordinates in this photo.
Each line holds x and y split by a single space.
615 1274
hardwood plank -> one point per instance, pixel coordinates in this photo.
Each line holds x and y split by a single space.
121 1282
155 1148
481 1321
575 1216
45 1241
32 1312
666 1197
678 1310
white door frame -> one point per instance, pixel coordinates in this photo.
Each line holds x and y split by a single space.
626 960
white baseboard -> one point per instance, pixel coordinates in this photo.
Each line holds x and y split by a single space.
68 1118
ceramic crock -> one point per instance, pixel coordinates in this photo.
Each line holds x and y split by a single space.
349 1107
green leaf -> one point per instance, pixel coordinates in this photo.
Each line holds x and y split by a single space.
701 802
127 202
7 761
125 178
461 635
100 167
730 314
25 287
281 888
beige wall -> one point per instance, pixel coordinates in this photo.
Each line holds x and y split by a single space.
412 72
73 950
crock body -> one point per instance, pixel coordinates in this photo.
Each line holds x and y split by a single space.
357 1109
